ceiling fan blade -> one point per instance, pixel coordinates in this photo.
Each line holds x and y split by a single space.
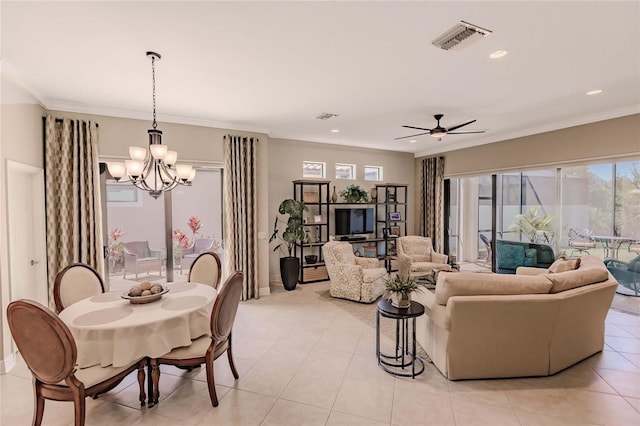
417 128
464 133
412 136
457 126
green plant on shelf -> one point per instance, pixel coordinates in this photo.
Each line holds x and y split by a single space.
354 194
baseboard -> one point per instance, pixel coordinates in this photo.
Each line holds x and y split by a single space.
7 364
264 291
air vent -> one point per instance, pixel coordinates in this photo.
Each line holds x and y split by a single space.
459 36
326 116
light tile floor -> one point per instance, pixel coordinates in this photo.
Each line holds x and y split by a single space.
305 360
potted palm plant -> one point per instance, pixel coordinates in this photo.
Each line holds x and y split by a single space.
293 234
399 289
537 228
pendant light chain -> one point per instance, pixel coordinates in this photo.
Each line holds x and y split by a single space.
153 73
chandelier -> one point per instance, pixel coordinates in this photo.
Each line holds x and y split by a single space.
154 169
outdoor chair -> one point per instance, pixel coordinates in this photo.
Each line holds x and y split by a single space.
48 349
206 269
189 255
626 273
139 258
487 244
74 283
580 240
207 349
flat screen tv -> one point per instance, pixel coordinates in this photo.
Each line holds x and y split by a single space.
351 221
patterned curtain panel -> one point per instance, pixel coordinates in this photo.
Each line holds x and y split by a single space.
240 212
431 201
72 185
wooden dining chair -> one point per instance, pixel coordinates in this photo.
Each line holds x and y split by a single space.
207 349
74 283
48 349
206 269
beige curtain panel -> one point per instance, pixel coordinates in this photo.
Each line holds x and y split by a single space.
72 185
241 212
431 201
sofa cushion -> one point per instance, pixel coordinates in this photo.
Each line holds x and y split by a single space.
463 284
576 278
530 257
562 264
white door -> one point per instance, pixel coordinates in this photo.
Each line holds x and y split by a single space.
27 237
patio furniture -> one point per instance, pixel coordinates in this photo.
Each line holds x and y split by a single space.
139 258
48 348
626 273
612 243
190 254
512 254
487 244
580 240
74 283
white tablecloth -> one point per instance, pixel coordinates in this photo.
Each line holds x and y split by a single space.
109 330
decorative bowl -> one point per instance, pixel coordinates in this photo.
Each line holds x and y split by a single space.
144 299
311 258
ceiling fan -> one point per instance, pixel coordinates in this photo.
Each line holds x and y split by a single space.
439 131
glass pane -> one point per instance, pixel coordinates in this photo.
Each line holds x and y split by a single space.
373 173
345 171
511 188
453 217
312 169
588 201
134 218
539 196
627 207
197 220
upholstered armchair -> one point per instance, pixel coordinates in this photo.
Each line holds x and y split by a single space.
139 258
416 256
200 246
354 278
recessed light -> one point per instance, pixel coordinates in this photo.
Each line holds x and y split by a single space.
594 92
498 54
413 141
335 130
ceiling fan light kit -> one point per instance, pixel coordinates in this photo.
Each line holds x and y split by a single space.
439 131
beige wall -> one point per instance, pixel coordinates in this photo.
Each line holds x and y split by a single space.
285 165
20 141
609 139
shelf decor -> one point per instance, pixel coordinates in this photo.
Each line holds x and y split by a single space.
354 194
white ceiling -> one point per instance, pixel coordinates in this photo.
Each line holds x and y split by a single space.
274 66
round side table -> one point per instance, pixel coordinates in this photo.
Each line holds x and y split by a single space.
404 356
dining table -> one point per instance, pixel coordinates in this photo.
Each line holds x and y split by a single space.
109 330
612 243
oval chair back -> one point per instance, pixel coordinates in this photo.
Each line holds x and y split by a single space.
225 307
74 283
206 269
44 341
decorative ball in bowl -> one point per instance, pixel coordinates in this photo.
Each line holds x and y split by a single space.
145 293
311 258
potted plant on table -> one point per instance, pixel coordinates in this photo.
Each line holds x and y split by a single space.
399 289
293 234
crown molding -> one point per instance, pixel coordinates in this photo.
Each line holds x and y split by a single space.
548 127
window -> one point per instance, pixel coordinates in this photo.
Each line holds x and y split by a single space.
313 169
345 171
373 173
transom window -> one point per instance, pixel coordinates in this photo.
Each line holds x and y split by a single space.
314 169
373 173
345 171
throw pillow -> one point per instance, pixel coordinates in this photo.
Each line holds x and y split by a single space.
563 264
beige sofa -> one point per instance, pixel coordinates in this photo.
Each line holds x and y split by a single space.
533 323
